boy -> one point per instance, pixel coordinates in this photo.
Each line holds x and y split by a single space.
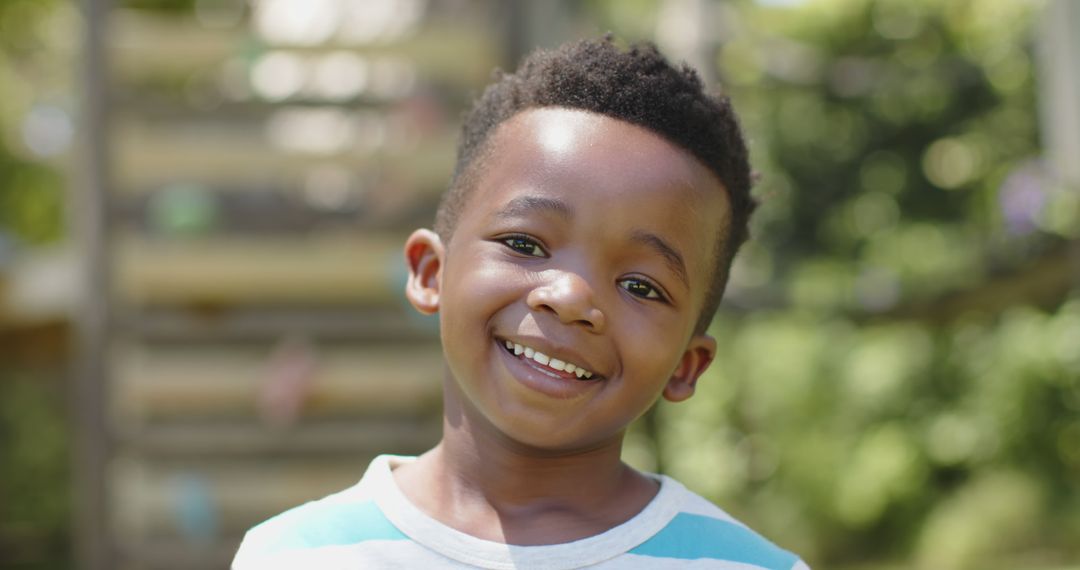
577 259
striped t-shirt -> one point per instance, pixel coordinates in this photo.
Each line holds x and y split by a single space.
373 525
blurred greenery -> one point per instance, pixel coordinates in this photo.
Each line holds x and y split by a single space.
34 477
35 41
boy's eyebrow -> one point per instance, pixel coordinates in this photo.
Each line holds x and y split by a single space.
671 255
523 205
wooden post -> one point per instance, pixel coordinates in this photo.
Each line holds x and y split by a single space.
1059 99
88 207
1059 87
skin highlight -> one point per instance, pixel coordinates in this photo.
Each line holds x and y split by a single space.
589 238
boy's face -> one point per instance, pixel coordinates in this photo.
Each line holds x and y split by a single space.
591 241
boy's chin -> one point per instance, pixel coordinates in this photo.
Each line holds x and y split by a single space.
547 441
538 431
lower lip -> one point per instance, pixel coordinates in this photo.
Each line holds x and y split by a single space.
532 375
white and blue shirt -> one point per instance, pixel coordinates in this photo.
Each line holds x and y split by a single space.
373 525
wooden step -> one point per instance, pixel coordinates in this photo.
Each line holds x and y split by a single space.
151 384
177 325
238 271
206 440
460 53
204 501
149 155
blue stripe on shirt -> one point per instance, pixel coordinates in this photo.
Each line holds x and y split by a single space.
690 537
329 524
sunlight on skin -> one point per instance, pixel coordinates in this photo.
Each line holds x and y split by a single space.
556 137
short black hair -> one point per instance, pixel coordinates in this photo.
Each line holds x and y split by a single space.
638 86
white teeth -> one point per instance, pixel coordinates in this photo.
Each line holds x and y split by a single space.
554 363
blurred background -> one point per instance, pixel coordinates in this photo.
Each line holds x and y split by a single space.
202 206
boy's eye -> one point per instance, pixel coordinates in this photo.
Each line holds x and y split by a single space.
524 246
641 288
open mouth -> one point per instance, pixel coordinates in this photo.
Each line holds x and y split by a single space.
548 363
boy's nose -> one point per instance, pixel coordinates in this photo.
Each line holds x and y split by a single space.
570 298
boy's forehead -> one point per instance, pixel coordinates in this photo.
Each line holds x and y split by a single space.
560 133
644 181
553 144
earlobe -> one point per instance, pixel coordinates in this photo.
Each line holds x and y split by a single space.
424 257
695 360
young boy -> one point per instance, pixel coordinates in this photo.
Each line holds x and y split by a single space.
577 260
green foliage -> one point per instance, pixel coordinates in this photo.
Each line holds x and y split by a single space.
35 39
178 7
31 201
862 443
34 480
884 131
32 437
31 70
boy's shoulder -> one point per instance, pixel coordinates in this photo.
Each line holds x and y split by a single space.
701 531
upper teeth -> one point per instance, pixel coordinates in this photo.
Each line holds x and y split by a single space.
549 361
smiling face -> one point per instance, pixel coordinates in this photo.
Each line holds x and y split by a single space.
586 244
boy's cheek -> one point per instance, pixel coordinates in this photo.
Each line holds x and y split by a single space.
479 276
485 287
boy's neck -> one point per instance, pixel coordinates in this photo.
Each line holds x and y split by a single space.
509 473
491 487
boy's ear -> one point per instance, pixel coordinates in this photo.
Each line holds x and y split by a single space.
697 357
424 255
